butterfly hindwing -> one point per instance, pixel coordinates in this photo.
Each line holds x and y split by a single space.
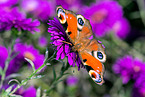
92 57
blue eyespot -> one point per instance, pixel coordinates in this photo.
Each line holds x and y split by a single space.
80 21
99 79
99 55
60 10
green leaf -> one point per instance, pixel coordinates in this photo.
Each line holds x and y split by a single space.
1 71
13 75
15 32
14 80
32 64
38 93
14 95
58 82
46 54
24 83
13 56
63 66
66 73
8 90
37 77
54 73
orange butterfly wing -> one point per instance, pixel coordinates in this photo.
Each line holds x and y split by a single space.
92 57
91 52
69 20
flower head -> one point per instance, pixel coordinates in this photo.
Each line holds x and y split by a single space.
139 86
63 44
124 67
70 4
102 16
28 51
11 17
42 41
134 69
41 9
129 68
121 28
4 3
71 80
29 92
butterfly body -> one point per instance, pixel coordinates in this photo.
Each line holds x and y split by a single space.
90 51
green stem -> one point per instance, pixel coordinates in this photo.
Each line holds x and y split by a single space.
141 5
7 63
58 78
35 72
26 80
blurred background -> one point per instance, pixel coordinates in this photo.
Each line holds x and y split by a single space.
118 24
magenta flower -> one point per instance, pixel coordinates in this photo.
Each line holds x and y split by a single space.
134 69
71 80
42 9
121 28
102 16
4 3
129 68
42 41
124 67
11 17
139 86
62 43
29 92
28 51
70 4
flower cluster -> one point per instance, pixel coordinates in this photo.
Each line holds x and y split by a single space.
4 3
24 51
134 69
105 17
41 9
63 44
71 80
11 17
28 51
74 5
29 92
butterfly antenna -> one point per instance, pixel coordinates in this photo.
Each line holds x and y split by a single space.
65 42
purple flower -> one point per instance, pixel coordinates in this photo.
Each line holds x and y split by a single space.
139 86
102 16
11 17
72 80
139 69
129 68
42 41
63 44
121 28
28 51
124 67
134 69
29 92
41 9
70 4
7 3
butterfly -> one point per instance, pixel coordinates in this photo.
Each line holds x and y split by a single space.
90 51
